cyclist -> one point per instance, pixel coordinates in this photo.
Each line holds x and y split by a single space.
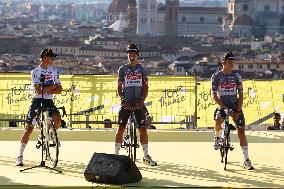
52 86
132 87
227 92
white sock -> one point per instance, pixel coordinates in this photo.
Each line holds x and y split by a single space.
22 148
245 152
145 149
217 133
117 148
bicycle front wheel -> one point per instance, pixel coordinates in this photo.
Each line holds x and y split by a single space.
134 146
52 146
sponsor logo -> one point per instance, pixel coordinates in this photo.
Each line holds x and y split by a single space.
133 76
227 85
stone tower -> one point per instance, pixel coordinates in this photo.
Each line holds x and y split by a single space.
172 17
132 16
147 17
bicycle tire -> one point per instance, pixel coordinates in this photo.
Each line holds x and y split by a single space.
227 146
222 154
134 140
131 155
52 146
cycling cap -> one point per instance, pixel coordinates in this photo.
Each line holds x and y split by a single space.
47 53
228 56
132 48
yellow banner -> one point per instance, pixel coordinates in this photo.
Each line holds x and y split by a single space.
170 98
261 99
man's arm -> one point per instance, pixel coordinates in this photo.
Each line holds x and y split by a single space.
119 89
218 100
120 83
145 89
240 102
56 90
240 92
47 89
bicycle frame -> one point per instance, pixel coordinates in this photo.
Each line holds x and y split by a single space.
49 135
225 145
130 137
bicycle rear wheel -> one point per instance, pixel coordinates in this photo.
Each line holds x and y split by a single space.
131 134
52 146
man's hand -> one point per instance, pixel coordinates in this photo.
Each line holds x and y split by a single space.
126 105
236 115
139 104
50 88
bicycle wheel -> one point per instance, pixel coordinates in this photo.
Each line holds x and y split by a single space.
134 140
227 146
52 145
131 145
222 152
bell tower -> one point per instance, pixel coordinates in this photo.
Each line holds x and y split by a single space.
132 16
172 17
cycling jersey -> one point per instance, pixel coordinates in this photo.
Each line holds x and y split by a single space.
227 87
51 78
133 80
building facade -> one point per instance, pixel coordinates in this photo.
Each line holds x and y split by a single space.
147 17
248 18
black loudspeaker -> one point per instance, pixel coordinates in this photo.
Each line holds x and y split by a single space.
112 169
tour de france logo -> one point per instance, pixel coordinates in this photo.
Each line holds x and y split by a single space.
172 96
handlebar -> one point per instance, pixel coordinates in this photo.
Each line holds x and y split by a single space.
60 108
63 110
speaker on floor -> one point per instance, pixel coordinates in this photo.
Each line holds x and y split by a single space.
112 169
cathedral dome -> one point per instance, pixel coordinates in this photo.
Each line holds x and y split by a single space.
243 20
118 6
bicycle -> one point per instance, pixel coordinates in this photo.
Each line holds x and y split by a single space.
48 139
225 145
129 141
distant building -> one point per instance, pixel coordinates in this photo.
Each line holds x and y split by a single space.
151 18
254 18
147 17
117 8
12 45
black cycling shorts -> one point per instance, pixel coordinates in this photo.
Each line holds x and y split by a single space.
36 103
124 115
240 122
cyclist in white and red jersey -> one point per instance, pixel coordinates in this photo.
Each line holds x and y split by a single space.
227 92
132 87
52 86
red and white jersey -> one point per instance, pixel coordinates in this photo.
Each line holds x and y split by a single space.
51 78
227 87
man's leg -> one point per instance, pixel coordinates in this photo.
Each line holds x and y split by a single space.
240 122
24 142
217 128
57 120
118 139
123 116
244 146
141 121
144 140
28 130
